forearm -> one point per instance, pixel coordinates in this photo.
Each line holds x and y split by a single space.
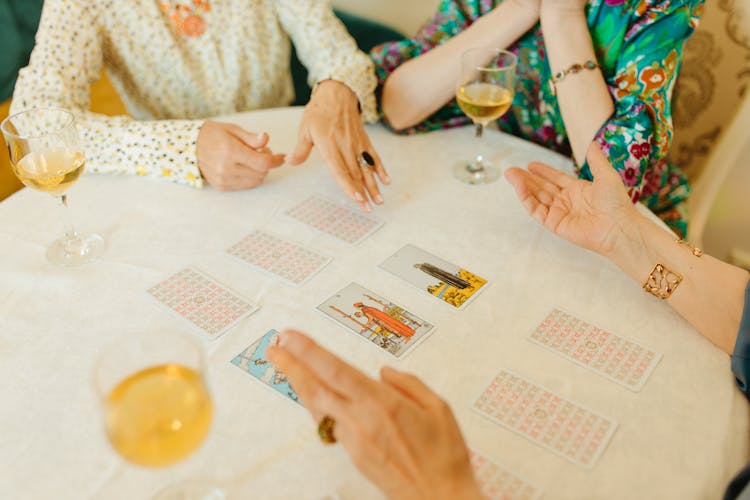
583 98
711 294
421 86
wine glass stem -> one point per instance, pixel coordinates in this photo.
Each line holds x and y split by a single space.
70 232
478 164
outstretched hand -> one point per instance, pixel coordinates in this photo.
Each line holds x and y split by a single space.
398 432
589 214
332 123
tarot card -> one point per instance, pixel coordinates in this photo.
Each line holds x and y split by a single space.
498 483
342 222
376 319
549 420
206 304
614 357
448 282
253 361
286 260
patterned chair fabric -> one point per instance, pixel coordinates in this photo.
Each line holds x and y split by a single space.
712 83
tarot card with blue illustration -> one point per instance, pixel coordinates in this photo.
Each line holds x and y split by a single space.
253 360
376 319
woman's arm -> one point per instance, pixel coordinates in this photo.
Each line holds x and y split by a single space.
421 86
599 216
584 99
67 59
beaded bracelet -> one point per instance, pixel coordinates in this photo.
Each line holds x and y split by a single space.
576 68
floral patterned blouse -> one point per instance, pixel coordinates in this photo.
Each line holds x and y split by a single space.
175 63
639 47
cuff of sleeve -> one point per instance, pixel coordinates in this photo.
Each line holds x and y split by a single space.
741 353
362 82
182 155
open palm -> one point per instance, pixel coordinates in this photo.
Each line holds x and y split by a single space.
588 214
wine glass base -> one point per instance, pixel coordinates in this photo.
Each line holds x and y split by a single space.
80 249
192 490
470 174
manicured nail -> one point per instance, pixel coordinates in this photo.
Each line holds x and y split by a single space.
367 207
387 179
358 197
378 199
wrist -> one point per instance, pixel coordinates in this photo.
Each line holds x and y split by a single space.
632 248
335 89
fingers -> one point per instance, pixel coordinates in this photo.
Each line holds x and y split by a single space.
379 168
255 141
559 179
350 382
411 387
302 149
348 178
259 161
317 396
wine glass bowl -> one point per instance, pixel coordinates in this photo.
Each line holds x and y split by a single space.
46 155
484 92
157 408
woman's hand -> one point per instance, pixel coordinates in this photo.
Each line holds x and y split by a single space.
332 123
595 215
399 433
231 158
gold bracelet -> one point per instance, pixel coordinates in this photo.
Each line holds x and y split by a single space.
576 68
694 249
662 282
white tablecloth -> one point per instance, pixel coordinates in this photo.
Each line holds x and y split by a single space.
683 436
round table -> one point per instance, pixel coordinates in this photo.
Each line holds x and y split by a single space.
682 436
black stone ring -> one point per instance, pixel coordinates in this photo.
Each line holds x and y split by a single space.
366 160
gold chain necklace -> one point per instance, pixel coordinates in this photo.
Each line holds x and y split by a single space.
187 16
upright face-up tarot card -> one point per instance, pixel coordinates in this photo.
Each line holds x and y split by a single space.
209 306
372 317
448 282
342 222
289 261
253 360
549 420
614 357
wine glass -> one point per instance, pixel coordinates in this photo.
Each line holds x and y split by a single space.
46 155
156 405
484 92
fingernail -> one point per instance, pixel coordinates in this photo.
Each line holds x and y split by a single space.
367 207
378 199
387 180
358 197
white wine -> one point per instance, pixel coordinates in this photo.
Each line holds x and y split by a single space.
52 171
159 415
484 102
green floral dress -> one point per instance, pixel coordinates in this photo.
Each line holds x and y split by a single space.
639 47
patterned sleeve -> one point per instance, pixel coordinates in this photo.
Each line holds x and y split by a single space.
636 138
327 50
66 60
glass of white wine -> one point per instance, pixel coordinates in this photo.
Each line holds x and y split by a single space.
46 155
156 404
484 92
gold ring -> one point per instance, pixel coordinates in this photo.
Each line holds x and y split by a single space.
325 430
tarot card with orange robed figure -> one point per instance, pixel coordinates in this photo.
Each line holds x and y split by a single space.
374 318
448 282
